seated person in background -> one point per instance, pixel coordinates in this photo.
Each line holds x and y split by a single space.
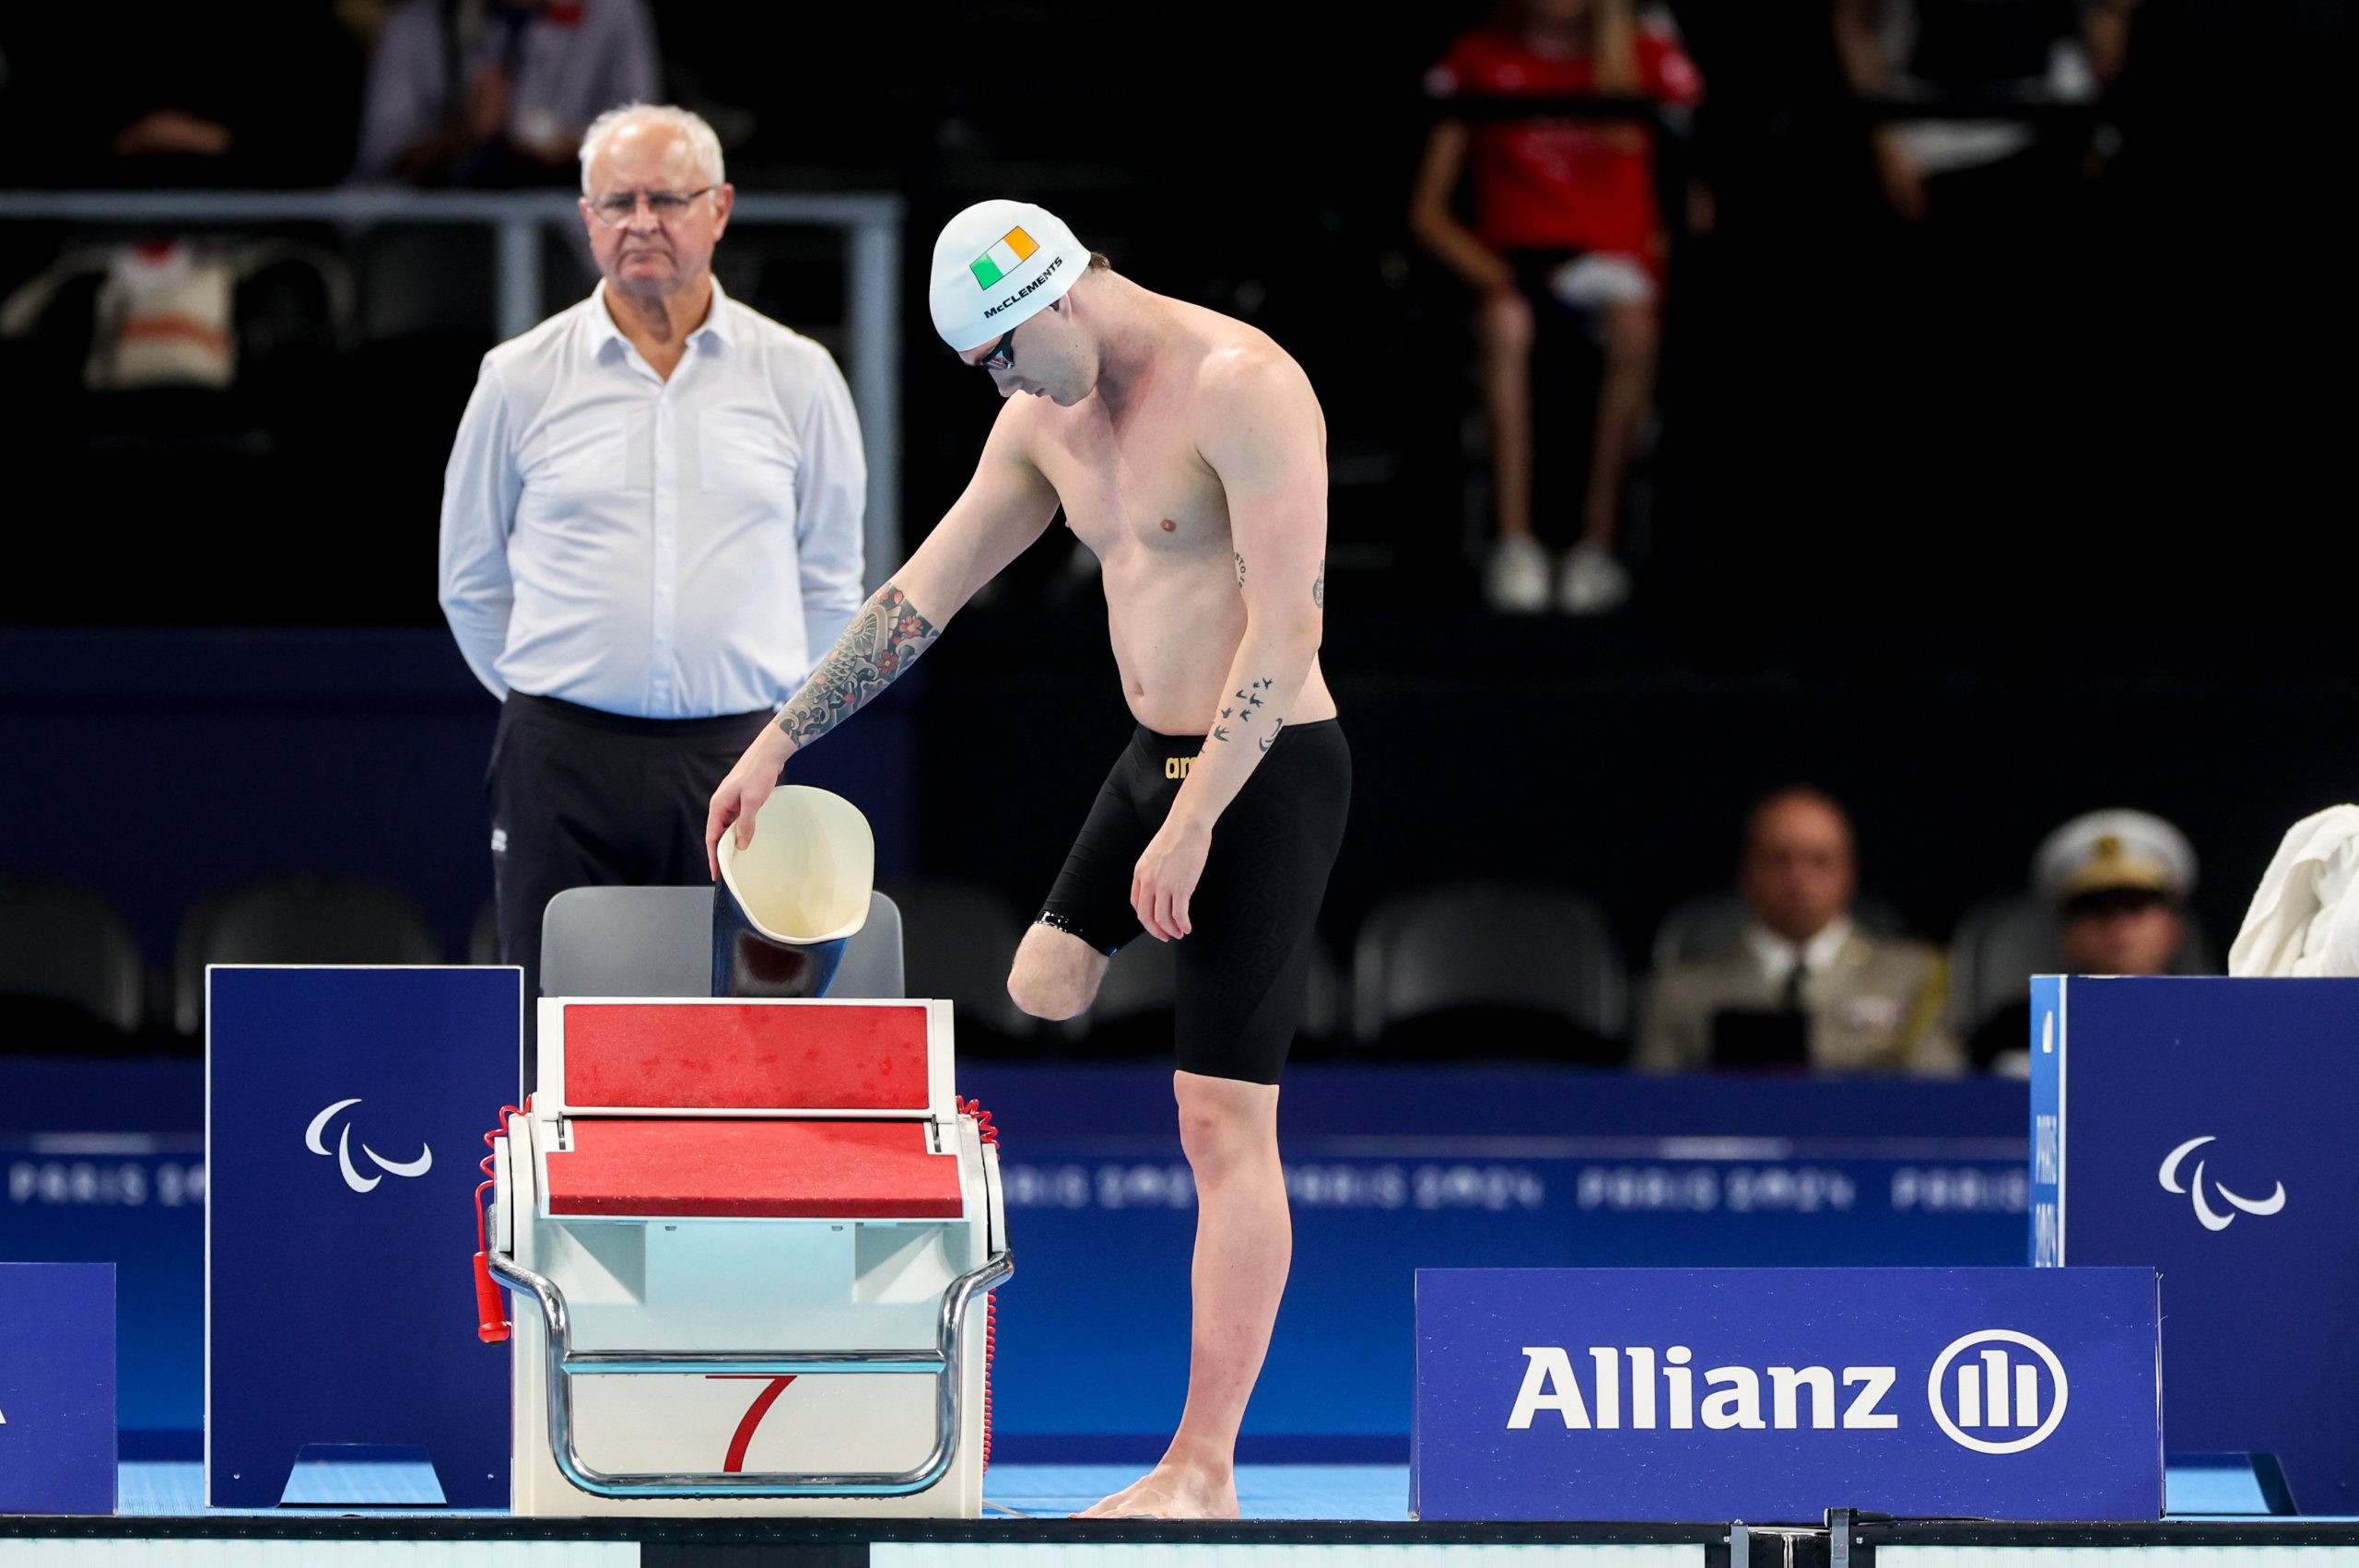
1564 233
142 94
2118 881
1804 986
498 92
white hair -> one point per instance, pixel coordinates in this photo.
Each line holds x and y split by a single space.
703 143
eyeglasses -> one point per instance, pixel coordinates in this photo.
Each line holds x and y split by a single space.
1002 354
623 206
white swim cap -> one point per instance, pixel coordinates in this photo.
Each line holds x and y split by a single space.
996 264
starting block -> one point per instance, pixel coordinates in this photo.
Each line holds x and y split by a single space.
751 1233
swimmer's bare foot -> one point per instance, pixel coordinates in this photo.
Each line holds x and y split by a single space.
1172 1491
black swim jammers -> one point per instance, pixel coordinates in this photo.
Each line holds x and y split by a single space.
1245 964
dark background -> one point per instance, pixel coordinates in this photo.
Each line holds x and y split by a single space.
1976 546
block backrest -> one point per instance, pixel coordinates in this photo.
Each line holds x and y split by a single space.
720 1057
657 941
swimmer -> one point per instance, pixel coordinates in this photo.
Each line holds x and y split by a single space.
1189 453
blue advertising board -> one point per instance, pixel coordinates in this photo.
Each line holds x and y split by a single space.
1390 1169
1775 1394
2202 1127
57 1449
102 1161
344 1115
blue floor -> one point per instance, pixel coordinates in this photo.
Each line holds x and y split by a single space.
1264 1492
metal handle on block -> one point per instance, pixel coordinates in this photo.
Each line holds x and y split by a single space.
565 1364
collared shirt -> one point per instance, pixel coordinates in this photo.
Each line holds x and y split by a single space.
663 549
1777 957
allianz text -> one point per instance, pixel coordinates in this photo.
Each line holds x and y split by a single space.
1627 1388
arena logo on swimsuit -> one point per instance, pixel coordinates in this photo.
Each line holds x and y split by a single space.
1177 767
1991 1390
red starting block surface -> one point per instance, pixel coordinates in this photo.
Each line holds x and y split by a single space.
726 1169
722 1057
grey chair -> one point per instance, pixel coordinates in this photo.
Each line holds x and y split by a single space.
960 940
1324 1012
483 937
1131 1013
1143 978
1142 986
305 918
1489 947
2007 938
68 944
658 941
1712 923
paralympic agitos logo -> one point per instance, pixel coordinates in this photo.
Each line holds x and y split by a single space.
352 1176
2212 1219
1994 1391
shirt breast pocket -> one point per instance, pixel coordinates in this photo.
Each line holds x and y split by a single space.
577 454
746 453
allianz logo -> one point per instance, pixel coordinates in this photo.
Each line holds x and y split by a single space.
1995 1391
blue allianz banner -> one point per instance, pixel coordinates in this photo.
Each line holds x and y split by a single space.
1774 1394
345 1109
57 1448
2202 1127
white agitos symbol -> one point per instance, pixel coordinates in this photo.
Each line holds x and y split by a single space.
352 1178
2211 1218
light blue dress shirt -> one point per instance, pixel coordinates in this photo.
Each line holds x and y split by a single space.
663 549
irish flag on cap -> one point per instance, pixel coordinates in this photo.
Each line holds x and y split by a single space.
1003 258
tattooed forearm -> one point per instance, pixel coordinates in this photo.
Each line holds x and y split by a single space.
1318 589
1272 738
884 639
1240 567
1242 707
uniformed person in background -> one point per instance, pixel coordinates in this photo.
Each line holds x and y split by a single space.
2119 882
1804 989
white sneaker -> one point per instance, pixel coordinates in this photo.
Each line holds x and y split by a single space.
1591 582
1516 581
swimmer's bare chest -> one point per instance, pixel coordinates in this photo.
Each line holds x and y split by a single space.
1138 495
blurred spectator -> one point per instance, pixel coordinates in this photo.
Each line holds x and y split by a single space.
149 94
650 531
1973 54
1564 233
2118 881
1804 986
497 92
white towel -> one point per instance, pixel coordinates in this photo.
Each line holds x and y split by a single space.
2305 916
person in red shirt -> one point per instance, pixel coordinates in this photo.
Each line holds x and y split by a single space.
1562 220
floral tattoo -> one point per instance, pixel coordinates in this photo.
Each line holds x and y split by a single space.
882 640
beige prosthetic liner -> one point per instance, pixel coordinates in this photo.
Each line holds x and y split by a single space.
787 903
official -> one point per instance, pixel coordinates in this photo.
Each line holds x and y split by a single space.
1803 987
651 529
2117 883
